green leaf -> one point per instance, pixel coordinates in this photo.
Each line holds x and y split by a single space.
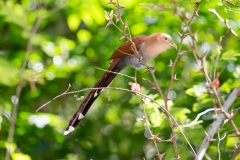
14 13
180 113
73 21
157 119
203 104
8 72
22 156
84 36
229 84
230 55
197 90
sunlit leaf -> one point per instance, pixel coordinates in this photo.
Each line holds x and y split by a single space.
9 73
73 21
230 55
10 147
229 85
232 140
157 118
138 28
197 90
65 44
203 104
87 19
20 156
97 15
180 113
84 36
14 13
238 156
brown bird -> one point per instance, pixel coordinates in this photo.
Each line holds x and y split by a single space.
148 47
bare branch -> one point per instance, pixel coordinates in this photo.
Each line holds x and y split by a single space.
219 140
20 85
231 3
225 21
216 124
236 153
199 115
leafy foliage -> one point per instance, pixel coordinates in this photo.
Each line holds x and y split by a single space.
71 41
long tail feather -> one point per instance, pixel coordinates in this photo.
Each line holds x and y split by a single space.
105 80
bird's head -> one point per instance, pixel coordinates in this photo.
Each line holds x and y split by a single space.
156 44
166 39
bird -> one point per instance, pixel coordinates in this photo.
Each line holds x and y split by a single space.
148 47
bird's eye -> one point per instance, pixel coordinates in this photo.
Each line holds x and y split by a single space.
166 38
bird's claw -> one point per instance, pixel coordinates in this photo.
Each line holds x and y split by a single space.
150 69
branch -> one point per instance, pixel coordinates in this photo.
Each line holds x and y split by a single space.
21 76
127 90
144 120
216 124
231 3
225 21
109 17
236 153
19 87
199 115
218 146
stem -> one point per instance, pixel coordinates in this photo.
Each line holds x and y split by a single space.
19 89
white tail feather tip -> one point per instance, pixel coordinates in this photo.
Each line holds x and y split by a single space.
95 94
70 129
80 116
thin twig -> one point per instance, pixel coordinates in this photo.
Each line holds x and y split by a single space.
209 81
19 87
199 115
21 72
116 73
173 76
182 37
219 140
225 21
128 36
126 90
148 127
236 153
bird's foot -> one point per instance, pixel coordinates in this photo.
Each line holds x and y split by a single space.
150 69
140 59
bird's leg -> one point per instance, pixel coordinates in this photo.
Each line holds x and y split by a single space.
140 59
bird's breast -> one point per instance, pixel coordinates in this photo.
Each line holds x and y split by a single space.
146 52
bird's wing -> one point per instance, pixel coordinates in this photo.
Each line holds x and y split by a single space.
125 49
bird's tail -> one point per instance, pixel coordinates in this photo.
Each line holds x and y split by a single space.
105 80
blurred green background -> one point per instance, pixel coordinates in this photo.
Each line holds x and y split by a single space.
71 42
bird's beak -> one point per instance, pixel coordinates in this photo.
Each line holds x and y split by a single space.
173 45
